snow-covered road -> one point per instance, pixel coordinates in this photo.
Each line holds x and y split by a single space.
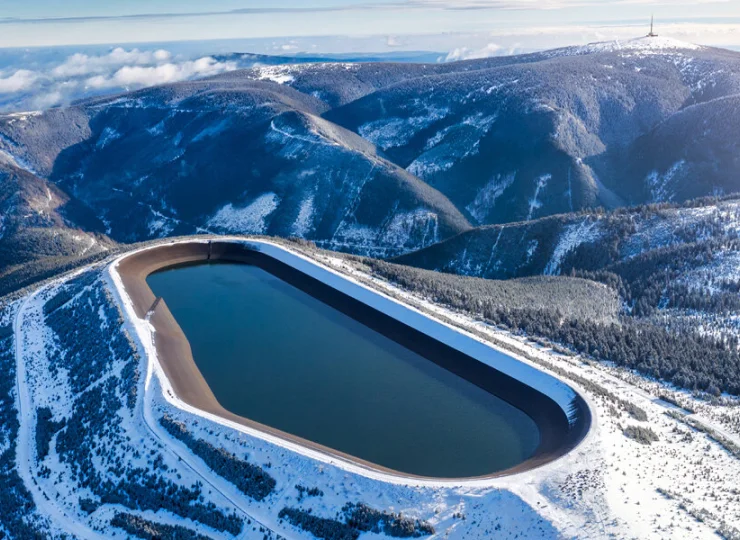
29 342
142 333
25 445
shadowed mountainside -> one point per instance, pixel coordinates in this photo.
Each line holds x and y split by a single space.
235 157
521 141
383 159
35 235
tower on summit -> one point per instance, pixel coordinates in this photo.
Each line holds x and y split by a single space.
652 28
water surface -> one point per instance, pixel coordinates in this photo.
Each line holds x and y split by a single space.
273 353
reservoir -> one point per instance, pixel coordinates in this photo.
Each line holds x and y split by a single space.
274 354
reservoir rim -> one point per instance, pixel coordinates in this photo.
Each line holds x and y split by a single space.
558 434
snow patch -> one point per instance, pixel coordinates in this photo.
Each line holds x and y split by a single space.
426 166
643 44
534 202
574 235
212 130
107 136
304 221
159 226
278 74
392 132
247 220
480 121
419 227
156 129
485 200
452 144
724 268
660 184
404 232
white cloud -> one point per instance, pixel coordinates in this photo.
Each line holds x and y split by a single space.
464 53
20 81
47 99
280 47
83 64
81 75
141 76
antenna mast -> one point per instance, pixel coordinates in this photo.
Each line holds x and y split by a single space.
652 33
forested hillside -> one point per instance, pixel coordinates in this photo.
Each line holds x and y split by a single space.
384 158
687 359
675 269
36 237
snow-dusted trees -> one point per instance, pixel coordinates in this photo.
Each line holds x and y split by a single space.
16 503
355 519
687 359
102 366
150 530
46 427
251 479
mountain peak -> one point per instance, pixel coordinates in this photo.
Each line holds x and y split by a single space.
646 43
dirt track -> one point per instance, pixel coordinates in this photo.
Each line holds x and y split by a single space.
557 436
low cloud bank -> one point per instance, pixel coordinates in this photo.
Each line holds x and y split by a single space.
140 76
19 81
464 53
81 75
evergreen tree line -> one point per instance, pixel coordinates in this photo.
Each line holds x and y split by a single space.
150 530
355 519
251 479
688 360
45 430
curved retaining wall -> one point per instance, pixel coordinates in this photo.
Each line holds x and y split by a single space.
561 414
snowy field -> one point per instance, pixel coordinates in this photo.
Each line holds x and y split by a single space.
681 485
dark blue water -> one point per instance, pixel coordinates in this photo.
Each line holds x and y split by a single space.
276 355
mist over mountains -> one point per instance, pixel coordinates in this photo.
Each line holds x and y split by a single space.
40 78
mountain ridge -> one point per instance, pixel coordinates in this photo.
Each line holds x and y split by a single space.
386 158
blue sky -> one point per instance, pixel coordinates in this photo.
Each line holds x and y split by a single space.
406 24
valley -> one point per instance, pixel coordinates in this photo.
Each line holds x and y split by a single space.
445 147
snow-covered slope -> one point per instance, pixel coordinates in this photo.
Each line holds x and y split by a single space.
237 157
670 264
386 158
104 444
588 241
647 44
694 153
569 113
